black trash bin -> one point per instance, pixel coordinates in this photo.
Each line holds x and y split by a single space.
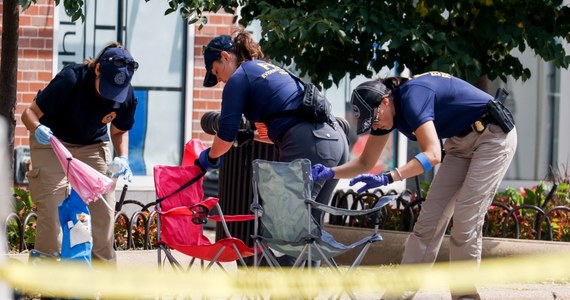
234 178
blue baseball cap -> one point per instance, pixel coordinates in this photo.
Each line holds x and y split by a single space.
212 52
117 68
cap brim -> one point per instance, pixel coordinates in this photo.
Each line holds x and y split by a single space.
210 80
111 91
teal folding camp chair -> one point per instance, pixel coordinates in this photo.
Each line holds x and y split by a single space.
284 223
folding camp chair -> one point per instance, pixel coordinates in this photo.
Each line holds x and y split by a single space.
181 214
283 208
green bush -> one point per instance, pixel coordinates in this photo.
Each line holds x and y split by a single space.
23 207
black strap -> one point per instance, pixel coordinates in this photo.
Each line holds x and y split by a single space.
187 184
284 113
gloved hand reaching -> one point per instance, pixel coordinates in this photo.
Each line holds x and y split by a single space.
120 167
43 134
320 172
206 163
370 180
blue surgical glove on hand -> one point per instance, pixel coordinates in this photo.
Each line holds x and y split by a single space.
120 167
320 172
370 180
43 134
208 164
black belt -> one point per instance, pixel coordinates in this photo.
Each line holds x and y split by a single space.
478 126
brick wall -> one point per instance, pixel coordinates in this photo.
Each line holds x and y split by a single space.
207 99
36 63
35 59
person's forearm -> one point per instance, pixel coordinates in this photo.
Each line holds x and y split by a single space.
120 140
31 117
410 169
351 169
367 159
30 120
219 147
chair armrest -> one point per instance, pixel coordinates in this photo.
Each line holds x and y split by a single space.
382 201
232 218
208 203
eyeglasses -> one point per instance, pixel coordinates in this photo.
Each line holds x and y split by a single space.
206 48
121 62
199 214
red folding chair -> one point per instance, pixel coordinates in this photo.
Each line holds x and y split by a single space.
181 214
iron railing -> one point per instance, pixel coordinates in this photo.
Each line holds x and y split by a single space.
138 231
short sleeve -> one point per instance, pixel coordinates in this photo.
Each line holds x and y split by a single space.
58 92
126 115
419 107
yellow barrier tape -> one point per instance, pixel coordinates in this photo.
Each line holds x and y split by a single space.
72 280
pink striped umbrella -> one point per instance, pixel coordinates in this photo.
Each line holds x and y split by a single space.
86 181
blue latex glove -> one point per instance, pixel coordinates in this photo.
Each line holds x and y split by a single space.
43 134
208 164
320 172
370 180
120 167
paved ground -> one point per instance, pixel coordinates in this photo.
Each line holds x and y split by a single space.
545 290
535 291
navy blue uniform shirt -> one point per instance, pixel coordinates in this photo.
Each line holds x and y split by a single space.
451 103
258 89
76 114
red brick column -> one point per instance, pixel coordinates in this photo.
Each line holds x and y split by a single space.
207 99
35 59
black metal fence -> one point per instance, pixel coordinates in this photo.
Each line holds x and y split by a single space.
138 230
525 221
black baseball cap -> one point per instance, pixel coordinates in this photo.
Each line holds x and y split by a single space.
212 52
366 97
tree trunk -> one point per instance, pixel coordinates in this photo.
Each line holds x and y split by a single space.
9 69
483 83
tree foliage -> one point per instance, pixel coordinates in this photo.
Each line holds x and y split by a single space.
470 38
328 39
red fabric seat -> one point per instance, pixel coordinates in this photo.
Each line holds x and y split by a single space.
179 203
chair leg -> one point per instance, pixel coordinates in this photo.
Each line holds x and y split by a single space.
241 260
215 259
171 259
360 256
268 255
300 259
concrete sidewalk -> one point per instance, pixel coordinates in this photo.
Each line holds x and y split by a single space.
535 291
546 290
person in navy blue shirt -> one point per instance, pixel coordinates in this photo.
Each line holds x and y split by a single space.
427 108
77 107
258 90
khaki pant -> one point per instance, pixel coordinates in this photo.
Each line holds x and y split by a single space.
463 188
48 187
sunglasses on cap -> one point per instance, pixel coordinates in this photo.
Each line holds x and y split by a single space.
121 62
